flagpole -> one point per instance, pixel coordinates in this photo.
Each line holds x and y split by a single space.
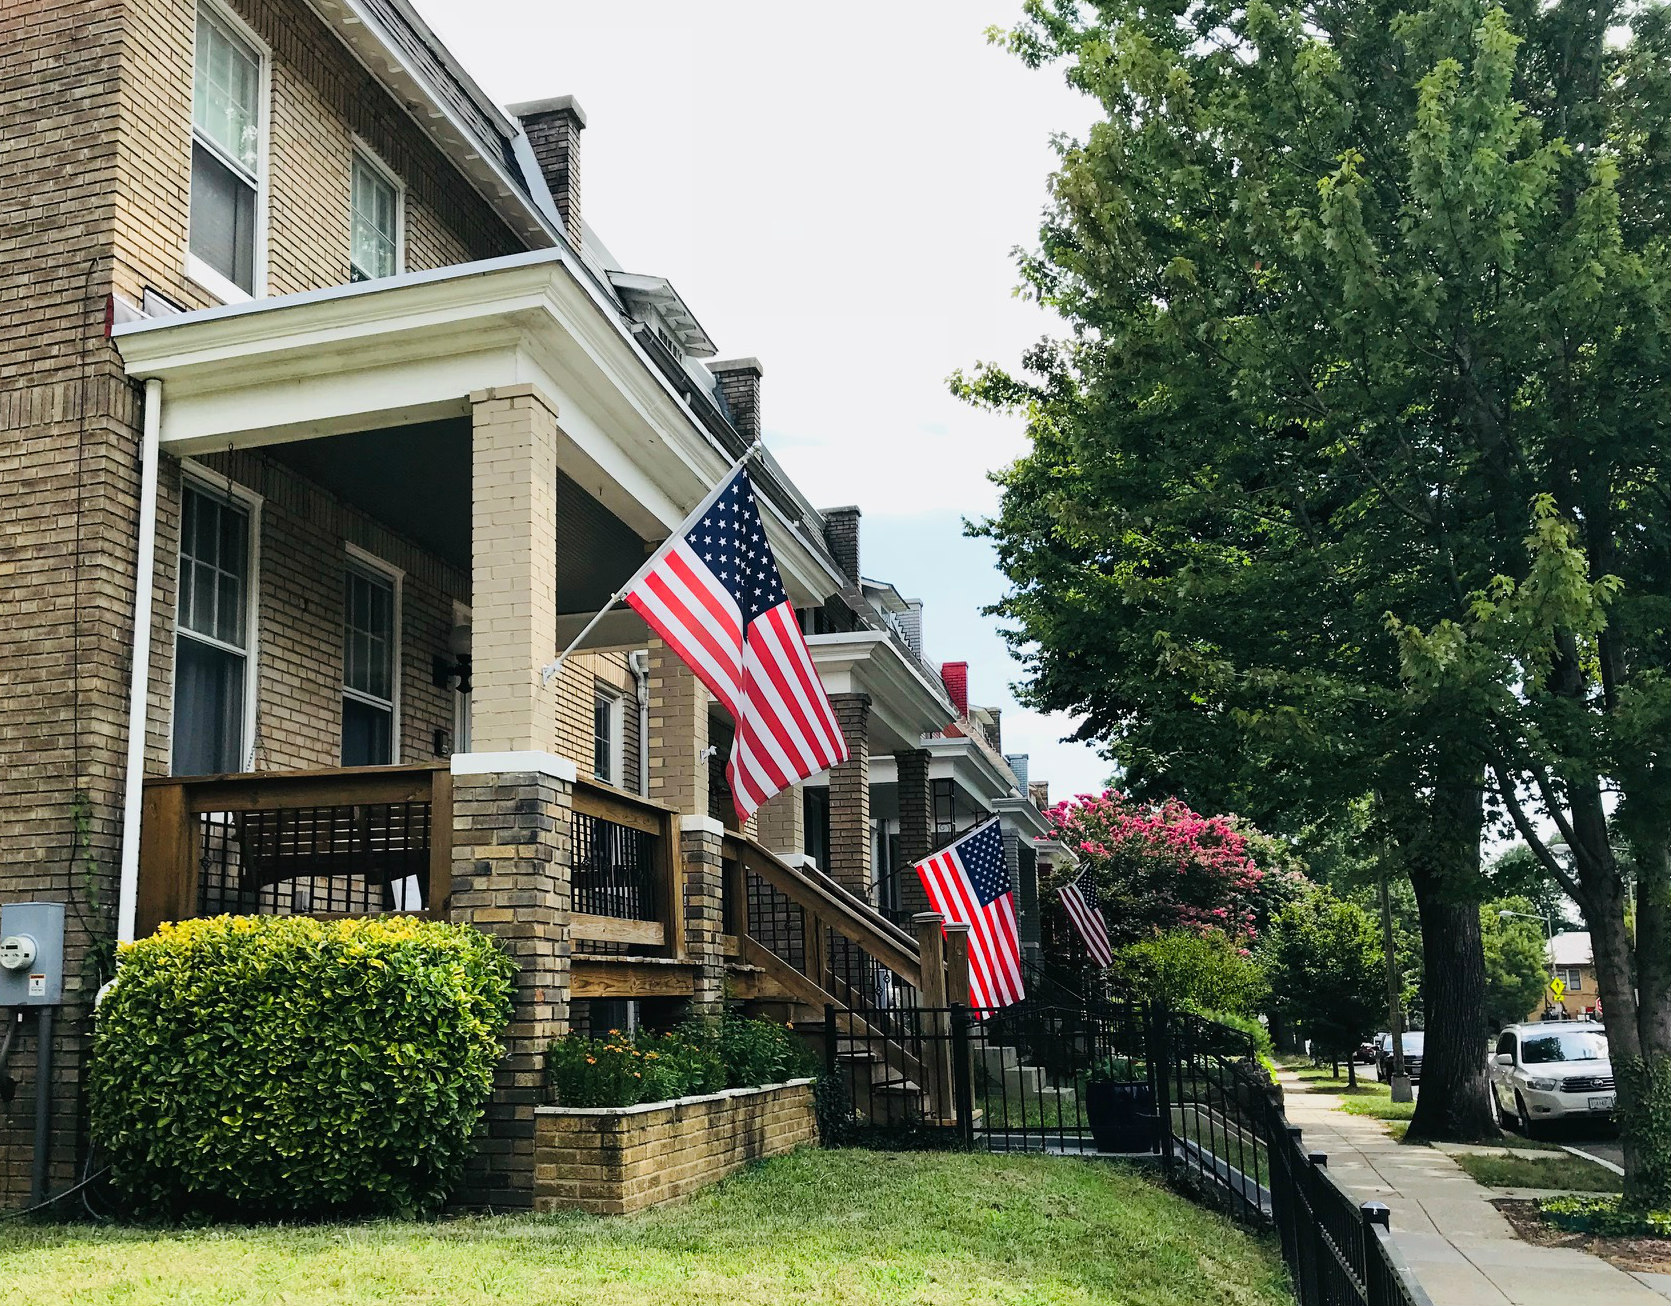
552 668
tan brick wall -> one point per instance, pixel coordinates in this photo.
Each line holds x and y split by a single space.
850 796
615 1162
678 733
321 98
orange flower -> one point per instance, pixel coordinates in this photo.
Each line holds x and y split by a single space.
591 1061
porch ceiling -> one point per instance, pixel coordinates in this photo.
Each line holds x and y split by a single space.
904 704
406 352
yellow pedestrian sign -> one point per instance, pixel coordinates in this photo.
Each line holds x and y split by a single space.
1557 988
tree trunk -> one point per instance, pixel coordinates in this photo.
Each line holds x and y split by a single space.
1453 1105
1352 1071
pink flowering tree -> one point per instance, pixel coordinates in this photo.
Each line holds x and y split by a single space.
1160 867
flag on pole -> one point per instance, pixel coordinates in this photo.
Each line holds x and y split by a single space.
1081 901
714 593
969 885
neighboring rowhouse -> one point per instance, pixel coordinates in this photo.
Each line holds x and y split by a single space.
1571 962
327 422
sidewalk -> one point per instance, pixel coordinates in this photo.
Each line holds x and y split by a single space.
1460 1246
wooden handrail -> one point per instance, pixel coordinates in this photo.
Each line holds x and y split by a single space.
827 903
607 803
171 805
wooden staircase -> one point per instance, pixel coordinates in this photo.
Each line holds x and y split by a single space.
807 944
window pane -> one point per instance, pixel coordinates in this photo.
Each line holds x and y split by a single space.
222 219
603 711
226 96
208 709
368 635
365 734
374 229
214 559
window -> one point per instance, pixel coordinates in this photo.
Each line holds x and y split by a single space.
368 668
815 811
375 222
1573 978
606 736
211 644
226 159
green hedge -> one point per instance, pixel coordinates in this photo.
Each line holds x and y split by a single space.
699 1056
1603 1216
268 1066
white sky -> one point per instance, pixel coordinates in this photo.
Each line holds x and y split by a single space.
835 190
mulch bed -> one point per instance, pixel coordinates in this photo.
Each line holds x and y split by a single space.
1650 1255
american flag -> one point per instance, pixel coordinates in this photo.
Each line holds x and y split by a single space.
968 885
1081 901
713 592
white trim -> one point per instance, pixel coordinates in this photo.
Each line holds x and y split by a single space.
702 825
139 684
218 285
206 480
362 148
378 569
529 762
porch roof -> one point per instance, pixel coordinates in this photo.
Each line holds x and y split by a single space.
904 703
413 348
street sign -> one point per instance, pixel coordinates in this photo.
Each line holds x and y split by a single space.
1557 989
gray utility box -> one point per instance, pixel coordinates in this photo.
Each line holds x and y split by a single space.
32 954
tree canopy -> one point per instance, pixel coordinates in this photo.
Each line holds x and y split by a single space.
1349 481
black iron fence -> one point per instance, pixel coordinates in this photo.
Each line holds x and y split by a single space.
1117 1078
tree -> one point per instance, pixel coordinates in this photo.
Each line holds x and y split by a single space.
1199 971
1349 288
1323 963
1516 966
1161 867
1516 873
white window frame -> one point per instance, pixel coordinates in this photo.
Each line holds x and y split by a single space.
356 558
616 702
365 154
222 287
205 480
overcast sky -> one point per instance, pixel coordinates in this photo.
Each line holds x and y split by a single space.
835 190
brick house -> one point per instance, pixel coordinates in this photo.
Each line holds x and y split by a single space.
327 420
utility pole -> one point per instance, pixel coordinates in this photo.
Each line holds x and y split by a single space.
1400 1081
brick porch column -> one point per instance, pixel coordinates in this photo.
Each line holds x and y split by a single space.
701 844
782 822
850 797
916 824
511 861
513 575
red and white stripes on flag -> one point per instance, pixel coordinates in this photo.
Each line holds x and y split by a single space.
1081 902
969 885
713 592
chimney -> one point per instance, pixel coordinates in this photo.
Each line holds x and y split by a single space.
1017 763
739 384
841 533
955 677
553 129
911 624
995 735
1039 792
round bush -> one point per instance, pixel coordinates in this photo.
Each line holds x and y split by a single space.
280 1066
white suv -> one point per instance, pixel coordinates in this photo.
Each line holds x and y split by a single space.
1555 1070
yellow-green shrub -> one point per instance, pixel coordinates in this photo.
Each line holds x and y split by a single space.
284 1066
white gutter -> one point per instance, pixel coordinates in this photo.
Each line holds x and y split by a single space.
139 688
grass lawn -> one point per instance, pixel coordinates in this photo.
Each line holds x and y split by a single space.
817 1226
1561 1171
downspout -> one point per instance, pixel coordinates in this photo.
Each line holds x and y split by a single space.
139 688
638 661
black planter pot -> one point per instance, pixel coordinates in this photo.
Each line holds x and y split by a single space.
1121 1116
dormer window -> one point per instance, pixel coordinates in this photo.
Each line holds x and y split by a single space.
375 221
228 151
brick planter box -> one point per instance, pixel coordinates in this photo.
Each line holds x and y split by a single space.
611 1160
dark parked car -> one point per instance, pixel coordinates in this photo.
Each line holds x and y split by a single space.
1412 1042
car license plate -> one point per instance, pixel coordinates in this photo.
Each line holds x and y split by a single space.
1602 1103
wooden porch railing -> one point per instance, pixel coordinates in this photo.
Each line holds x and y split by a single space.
349 841
627 877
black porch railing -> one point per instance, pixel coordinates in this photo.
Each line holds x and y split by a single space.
615 870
